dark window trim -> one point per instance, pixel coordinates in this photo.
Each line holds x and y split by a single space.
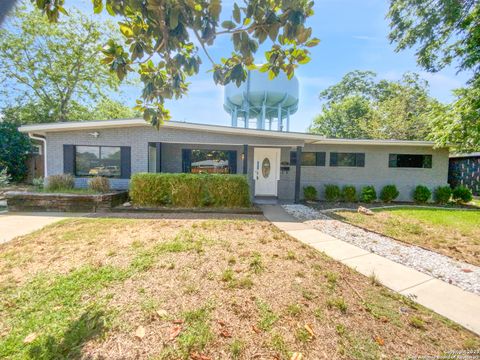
393 161
320 158
232 154
100 153
359 159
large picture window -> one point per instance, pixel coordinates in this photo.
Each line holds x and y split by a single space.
347 159
199 161
97 161
410 161
308 158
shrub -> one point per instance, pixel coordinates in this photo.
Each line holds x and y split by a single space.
4 178
189 190
442 194
310 193
421 194
389 193
349 193
332 192
60 182
14 148
462 195
100 184
38 182
368 194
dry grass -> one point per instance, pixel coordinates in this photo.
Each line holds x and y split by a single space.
236 289
454 233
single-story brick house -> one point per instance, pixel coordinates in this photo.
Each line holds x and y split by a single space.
277 164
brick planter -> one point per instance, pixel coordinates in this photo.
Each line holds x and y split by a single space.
34 201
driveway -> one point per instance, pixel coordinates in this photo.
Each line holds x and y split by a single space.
17 224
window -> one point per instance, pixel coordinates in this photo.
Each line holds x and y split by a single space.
97 161
210 161
308 158
347 159
410 161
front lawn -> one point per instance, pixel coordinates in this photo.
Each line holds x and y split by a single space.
455 233
199 289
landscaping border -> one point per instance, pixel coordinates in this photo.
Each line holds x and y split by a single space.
22 201
254 210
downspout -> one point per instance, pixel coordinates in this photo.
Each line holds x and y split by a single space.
44 141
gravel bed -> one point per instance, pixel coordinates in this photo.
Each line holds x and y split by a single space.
336 205
463 275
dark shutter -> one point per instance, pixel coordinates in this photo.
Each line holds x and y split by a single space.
69 159
333 159
232 162
125 162
245 159
159 157
320 159
293 158
186 160
360 160
392 160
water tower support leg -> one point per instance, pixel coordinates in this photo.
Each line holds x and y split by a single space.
288 119
279 115
234 117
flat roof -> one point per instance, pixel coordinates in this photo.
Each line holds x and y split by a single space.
42 129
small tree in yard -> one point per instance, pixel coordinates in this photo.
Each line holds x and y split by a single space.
14 148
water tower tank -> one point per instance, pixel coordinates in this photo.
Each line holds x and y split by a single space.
263 103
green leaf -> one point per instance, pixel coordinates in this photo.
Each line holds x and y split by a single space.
198 7
97 6
173 18
313 42
247 21
236 13
229 25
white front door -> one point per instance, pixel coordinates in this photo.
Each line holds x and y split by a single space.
266 171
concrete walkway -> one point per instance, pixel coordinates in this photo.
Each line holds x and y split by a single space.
18 224
448 300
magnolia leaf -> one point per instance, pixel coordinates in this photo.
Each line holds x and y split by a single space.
97 6
236 13
312 42
140 332
229 25
126 30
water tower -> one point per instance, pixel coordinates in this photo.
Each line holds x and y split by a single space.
262 103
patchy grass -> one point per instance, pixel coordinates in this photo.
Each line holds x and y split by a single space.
82 288
454 233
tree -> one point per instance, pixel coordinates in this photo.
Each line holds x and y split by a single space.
358 106
445 32
53 71
159 46
14 147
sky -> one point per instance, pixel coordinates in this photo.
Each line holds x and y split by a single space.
354 36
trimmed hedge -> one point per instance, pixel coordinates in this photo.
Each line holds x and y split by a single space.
349 193
368 194
189 190
421 194
462 194
310 193
442 194
332 192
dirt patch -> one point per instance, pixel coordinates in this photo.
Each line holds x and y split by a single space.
219 289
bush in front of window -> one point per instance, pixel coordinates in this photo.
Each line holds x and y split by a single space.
332 192
189 190
368 194
349 193
99 184
389 193
310 193
421 194
60 182
442 194
462 195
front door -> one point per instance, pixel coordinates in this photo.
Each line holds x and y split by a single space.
266 171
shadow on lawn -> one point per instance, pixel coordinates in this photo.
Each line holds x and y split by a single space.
89 326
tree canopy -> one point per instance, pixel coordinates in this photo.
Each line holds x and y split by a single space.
163 39
445 32
52 72
14 147
359 106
